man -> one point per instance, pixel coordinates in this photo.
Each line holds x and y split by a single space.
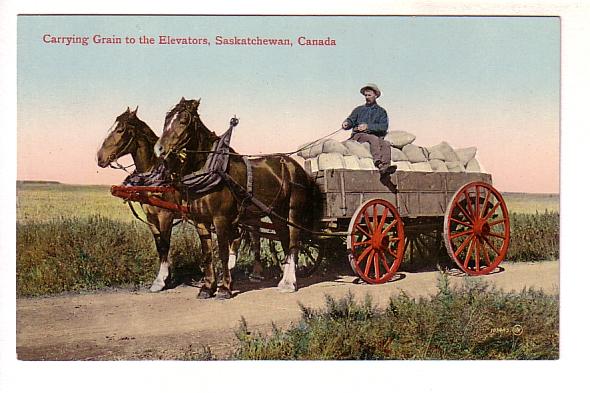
369 123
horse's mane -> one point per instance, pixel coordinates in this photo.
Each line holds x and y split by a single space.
183 106
147 132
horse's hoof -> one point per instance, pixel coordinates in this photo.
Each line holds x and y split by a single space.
287 288
205 294
223 294
157 286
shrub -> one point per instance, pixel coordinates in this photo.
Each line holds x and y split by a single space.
473 321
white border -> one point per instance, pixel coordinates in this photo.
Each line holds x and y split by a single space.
333 376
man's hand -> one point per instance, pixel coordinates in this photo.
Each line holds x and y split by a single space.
362 127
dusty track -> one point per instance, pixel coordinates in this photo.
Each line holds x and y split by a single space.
168 325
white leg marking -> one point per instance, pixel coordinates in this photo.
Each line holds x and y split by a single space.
160 281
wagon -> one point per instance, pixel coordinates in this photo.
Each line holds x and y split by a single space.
383 221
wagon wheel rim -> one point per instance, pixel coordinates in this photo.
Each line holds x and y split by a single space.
376 241
477 228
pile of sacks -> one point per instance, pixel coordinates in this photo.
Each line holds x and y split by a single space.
331 154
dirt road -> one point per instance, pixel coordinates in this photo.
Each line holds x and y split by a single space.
169 325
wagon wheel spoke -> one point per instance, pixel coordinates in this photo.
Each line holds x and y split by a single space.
376 265
463 245
460 234
468 203
498 235
500 221
369 262
362 243
486 254
485 203
491 245
467 215
383 219
491 212
363 231
393 223
469 251
477 256
368 221
467 224
384 259
364 254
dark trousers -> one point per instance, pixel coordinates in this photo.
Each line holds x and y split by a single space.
380 148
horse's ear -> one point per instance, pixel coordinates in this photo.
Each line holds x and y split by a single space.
128 110
182 100
134 113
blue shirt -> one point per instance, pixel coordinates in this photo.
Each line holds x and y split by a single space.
372 115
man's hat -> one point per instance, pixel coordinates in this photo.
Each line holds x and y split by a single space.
371 86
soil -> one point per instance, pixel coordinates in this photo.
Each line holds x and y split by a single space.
173 324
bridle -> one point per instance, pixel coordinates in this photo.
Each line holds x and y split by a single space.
113 160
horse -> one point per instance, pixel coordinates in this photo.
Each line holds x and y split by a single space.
279 182
130 135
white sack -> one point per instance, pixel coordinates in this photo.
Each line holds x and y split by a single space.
455 166
398 155
310 151
414 153
333 146
330 161
366 164
466 154
402 165
421 166
399 138
357 149
438 166
313 164
443 151
351 162
473 166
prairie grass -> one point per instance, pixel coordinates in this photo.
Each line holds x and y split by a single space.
473 321
73 238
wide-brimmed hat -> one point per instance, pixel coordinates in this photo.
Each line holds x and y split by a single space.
371 86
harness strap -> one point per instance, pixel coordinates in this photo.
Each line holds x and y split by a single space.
249 179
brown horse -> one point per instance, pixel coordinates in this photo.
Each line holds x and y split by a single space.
130 135
279 182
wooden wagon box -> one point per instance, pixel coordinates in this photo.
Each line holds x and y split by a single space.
418 194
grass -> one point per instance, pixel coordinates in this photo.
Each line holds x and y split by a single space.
473 321
73 238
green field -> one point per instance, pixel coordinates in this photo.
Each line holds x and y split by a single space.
72 237
38 201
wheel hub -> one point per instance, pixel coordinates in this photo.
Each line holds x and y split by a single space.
481 228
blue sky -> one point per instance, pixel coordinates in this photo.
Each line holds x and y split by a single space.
490 82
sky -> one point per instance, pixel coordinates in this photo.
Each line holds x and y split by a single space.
489 82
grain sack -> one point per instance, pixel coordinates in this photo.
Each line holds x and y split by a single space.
466 154
333 146
443 151
402 165
366 164
310 151
398 155
438 166
399 138
330 161
351 162
357 149
311 164
455 166
473 166
421 166
414 153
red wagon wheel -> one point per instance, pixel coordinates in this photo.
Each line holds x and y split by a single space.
477 228
376 241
